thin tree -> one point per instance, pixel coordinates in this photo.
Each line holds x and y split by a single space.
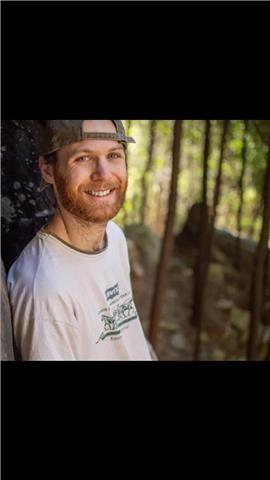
237 260
167 243
200 258
128 128
210 238
257 283
148 167
256 211
158 215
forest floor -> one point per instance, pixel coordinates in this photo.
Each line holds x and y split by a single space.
225 324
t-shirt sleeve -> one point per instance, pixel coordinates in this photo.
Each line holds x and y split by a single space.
44 329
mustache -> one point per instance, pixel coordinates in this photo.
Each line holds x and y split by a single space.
103 186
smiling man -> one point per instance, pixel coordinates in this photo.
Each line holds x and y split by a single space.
70 288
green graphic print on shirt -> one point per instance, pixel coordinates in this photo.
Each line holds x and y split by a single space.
122 311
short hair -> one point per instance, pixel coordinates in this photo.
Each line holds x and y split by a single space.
51 158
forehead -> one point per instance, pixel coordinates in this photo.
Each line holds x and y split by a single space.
92 146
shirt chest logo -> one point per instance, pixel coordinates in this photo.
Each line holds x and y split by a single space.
117 317
112 292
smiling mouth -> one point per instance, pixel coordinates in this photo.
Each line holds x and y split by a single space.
99 193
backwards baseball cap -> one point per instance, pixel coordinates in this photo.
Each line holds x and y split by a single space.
59 133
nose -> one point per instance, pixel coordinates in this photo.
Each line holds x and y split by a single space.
101 170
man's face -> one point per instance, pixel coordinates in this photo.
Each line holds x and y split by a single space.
90 177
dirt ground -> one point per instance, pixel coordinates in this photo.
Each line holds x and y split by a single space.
220 340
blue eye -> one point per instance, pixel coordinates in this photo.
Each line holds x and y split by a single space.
114 155
82 159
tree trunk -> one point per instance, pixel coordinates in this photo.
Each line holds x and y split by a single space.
7 352
209 241
129 123
256 212
161 274
205 160
259 266
144 179
158 223
237 261
200 259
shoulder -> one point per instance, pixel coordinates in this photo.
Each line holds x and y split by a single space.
25 267
115 232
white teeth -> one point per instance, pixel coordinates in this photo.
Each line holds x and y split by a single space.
99 194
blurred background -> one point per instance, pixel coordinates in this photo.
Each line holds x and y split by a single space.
196 218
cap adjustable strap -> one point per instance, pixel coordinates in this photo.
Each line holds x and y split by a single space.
108 136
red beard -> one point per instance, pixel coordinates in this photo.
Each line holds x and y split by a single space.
87 207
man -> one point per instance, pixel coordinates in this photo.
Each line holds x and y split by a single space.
70 288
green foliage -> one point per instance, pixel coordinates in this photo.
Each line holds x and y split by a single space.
189 185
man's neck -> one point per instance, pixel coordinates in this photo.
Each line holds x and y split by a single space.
86 236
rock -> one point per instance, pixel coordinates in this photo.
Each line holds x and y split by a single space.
137 269
229 333
266 334
266 314
20 179
226 241
204 337
224 248
243 298
231 275
237 359
231 290
146 242
176 265
190 233
188 272
6 327
244 335
216 273
239 319
171 294
178 341
225 304
263 353
218 256
243 338
170 326
218 355
205 355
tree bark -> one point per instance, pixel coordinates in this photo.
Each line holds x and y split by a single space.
7 352
161 273
129 123
256 211
209 241
144 179
259 266
237 261
205 160
199 265
24 208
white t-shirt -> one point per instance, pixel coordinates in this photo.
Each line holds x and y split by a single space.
71 305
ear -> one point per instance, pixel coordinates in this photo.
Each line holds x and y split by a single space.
46 170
